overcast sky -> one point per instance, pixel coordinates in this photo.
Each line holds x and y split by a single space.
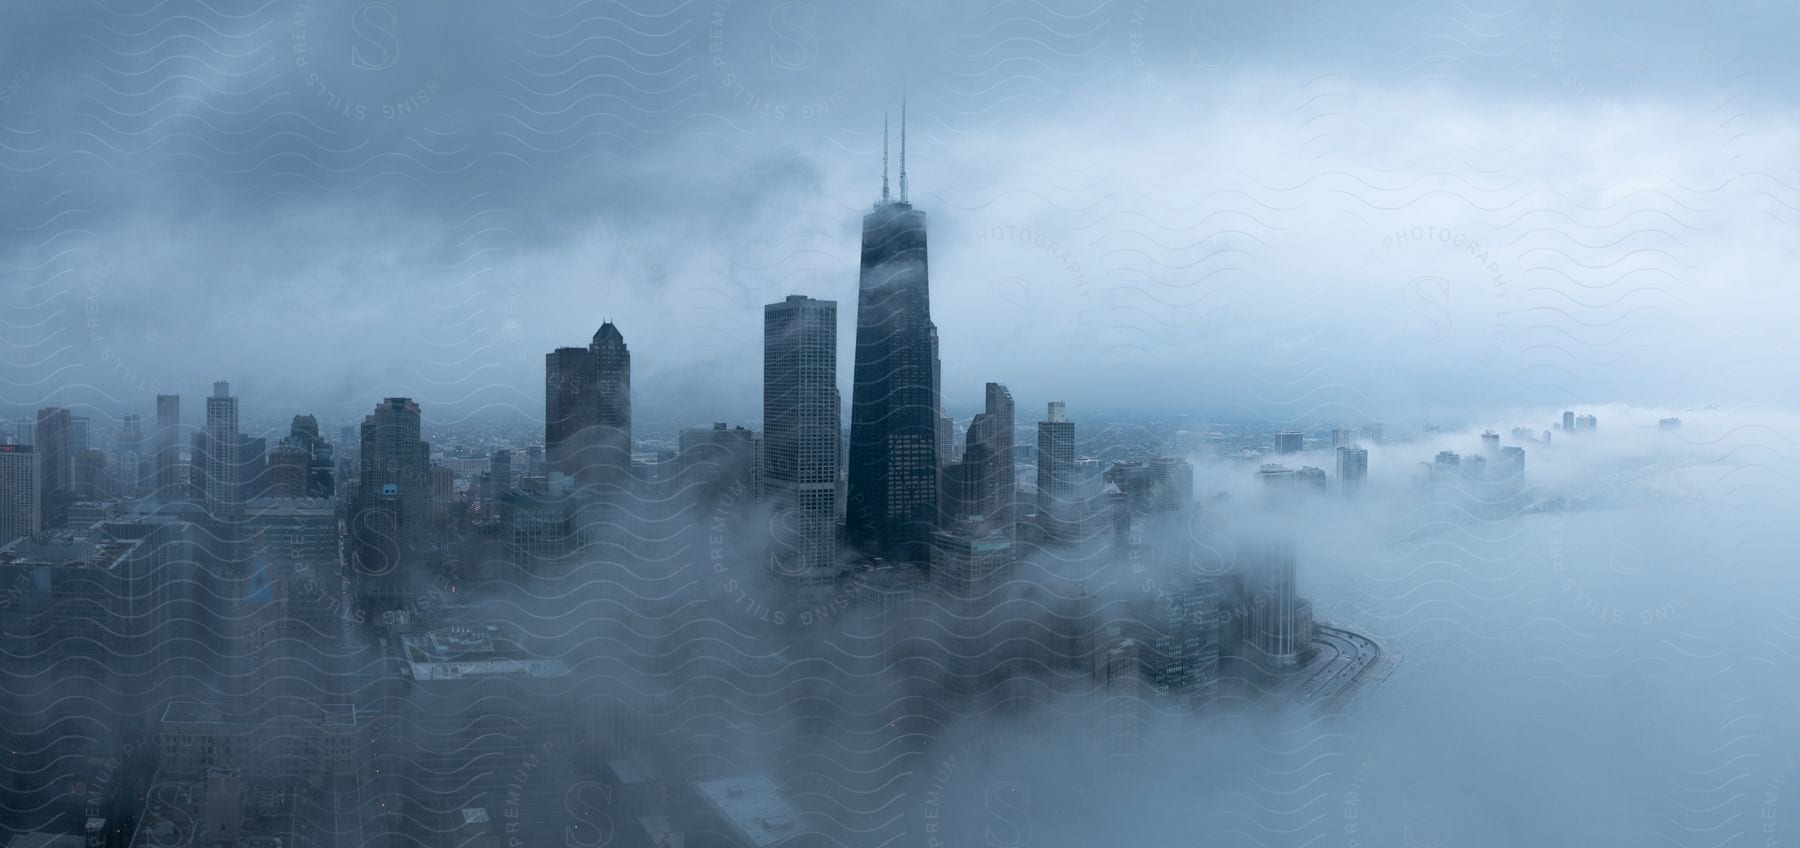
1300 211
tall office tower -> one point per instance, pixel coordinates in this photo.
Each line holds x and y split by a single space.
587 410
802 431
21 510
1587 423
52 439
946 428
1490 442
90 475
222 491
1056 473
893 463
1280 623
1289 441
23 430
1341 436
1372 433
390 526
612 363
989 461
128 457
1352 468
79 435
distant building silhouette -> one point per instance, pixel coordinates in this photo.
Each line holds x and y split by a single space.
1289 441
169 473
716 466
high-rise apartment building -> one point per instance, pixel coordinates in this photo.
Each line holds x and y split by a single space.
1352 468
21 514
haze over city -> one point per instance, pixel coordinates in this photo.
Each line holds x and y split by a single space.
787 423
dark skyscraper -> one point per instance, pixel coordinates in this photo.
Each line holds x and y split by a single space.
568 404
894 459
802 431
391 516
223 487
1055 472
587 410
53 439
612 364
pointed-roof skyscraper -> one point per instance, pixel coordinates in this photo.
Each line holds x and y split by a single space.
587 410
893 458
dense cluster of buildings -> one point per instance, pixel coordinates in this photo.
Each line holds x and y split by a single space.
282 641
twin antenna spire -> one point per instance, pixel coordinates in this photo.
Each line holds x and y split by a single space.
884 155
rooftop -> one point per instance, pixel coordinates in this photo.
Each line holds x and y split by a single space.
67 549
464 651
753 807
39 839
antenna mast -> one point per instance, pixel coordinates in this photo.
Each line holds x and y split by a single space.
903 149
884 157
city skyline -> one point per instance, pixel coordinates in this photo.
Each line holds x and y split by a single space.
805 424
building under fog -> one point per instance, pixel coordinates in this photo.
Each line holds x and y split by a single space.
802 433
895 442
